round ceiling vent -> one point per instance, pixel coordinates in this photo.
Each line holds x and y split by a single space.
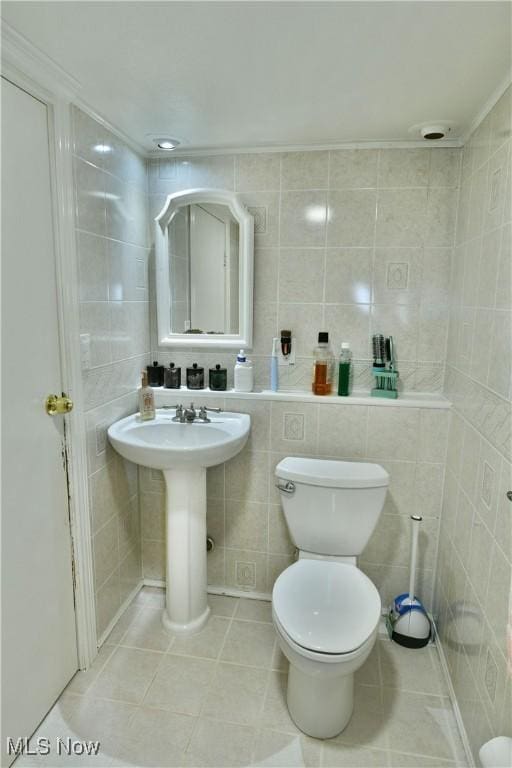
434 131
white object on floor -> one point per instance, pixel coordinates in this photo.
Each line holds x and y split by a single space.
496 753
325 610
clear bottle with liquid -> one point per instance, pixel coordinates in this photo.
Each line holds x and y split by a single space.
323 366
146 399
344 370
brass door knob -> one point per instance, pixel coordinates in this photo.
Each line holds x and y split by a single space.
55 404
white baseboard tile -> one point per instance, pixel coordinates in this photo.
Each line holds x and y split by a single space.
119 613
453 698
227 591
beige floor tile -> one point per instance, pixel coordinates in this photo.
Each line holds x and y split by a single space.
206 644
220 744
275 710
82 681
279 660
410 669
180 685
420 724
58 722
286 749
106 721
368 726
222 605
336 754
200 711
150 596
157 738
400 760
249 643
146 631
124 621
369 673
236 694
126 675
254 610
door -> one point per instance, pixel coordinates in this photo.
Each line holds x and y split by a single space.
39 651
207 270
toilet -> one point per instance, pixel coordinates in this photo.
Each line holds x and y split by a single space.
325 610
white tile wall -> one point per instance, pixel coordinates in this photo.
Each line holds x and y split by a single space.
111 232
244 512
350 241
474 581
354 242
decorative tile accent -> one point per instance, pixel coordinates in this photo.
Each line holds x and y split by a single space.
245 574
293 426
260 218
398 276
491 675
101 438
495 189
488 478
141 281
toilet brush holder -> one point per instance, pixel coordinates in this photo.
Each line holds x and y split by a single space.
407 622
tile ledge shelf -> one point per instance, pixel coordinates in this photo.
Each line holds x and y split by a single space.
410 400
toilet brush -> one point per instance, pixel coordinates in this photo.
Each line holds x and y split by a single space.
407 621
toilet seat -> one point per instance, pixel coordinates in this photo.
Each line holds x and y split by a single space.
326 608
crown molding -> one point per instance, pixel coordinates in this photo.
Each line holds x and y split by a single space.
183 151
22 56
140 149
487 107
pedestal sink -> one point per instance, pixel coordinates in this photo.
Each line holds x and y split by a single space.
183 451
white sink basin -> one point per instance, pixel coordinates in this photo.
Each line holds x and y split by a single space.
166 444
183 452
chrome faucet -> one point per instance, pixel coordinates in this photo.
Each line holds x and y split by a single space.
189 415
203 413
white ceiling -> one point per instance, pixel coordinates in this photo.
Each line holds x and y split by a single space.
248 74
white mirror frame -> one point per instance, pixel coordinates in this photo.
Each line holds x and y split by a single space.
176 200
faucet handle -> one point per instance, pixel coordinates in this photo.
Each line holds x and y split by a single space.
213 410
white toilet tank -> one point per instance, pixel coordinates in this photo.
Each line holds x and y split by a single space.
331 507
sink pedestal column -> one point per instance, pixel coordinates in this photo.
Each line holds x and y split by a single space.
186 607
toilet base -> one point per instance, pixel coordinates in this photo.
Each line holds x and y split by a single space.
320 706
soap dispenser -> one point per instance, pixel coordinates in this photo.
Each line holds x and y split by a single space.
146 399
244 376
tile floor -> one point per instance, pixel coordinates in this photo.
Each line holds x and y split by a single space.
219 699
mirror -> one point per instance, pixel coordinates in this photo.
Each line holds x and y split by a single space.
204 270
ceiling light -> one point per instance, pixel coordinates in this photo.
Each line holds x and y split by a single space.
166 143
102 149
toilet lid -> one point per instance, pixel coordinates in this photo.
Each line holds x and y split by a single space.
326 607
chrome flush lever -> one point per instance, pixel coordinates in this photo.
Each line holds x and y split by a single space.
287 487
